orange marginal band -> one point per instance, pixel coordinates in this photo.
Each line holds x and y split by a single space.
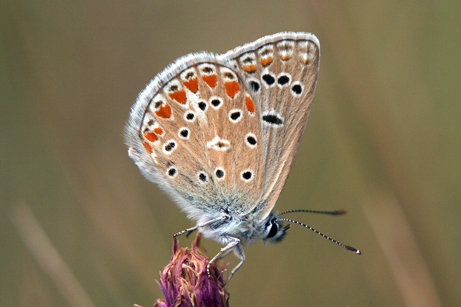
285 57
150 136
232 88
266 61
164 111
250 68
250 104
192 84
147 146
179 96
158 130
211 80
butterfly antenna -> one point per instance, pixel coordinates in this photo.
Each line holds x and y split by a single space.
350 248
336 212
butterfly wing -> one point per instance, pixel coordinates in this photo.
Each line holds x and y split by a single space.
195 131
281 72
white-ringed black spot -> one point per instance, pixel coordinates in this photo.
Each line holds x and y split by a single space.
202 105
169 146
246 175
216 102
183 133
272 118
254 86
235 115
283 80
251 140
171 171
268 79
202 176
297 88
219 173
189 116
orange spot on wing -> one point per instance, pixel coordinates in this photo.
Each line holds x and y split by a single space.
211 80
250 68
164 111
158 130
192 84
285 57
147 146
179 96
232 88
250 104
151 137
267 61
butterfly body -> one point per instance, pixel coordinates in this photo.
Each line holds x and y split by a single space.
219 134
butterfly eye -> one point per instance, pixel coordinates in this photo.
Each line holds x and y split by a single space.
274 229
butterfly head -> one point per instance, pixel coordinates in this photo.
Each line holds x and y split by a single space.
274 231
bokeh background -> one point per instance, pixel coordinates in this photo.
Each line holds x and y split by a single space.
80 226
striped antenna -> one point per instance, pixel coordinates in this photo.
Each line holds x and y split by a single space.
336 212
349 248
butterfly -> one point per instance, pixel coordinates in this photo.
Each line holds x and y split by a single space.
219 134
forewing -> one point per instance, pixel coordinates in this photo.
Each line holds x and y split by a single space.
195 132
281 72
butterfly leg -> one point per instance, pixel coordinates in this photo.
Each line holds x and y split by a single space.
224 251
234 246
190 230
224 255
238 251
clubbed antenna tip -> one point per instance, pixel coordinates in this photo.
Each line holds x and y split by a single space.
352 249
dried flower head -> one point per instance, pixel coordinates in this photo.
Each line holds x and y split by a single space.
185 281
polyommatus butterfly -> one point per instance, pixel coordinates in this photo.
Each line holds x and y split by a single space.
219 134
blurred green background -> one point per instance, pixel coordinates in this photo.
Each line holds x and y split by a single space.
80 226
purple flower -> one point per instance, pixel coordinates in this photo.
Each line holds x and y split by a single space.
185 281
